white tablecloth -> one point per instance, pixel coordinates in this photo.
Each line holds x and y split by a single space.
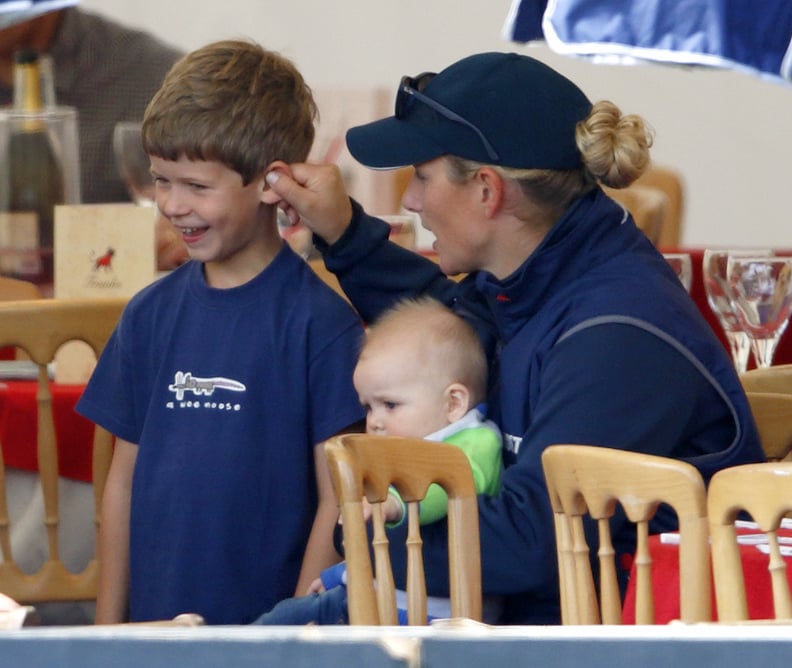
29 539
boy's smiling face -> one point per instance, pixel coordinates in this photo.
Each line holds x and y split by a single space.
222 222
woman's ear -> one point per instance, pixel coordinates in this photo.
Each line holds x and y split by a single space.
492 190
457 401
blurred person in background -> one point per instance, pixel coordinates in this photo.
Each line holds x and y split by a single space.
108 72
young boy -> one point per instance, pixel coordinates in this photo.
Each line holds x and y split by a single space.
421 373
221 378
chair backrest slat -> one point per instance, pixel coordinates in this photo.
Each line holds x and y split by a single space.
765 492
591 480
776 379
771 411
39 327
366 465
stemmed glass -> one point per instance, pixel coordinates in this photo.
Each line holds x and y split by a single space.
132 162
718 297
680 263
761 293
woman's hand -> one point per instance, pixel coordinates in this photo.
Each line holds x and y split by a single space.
313 194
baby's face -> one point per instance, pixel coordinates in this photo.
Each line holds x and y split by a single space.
400 398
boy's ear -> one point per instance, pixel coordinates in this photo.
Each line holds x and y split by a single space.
457 401
267 195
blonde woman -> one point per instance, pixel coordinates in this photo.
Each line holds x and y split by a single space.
590 336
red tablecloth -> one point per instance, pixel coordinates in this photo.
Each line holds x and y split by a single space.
18 415
665 583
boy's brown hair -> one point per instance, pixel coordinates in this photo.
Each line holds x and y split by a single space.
232 102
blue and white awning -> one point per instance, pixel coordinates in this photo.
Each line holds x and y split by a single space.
16 11
755 37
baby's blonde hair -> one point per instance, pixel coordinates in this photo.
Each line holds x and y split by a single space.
443 338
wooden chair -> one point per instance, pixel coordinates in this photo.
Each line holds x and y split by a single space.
765 492
776 378
40 327
591 480
670 182
656 201
364 464
14 289
772 413
647 206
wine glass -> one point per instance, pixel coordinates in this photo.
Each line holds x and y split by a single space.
761 293
718 297
132 162
680 263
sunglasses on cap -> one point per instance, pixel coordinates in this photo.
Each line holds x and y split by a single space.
410 90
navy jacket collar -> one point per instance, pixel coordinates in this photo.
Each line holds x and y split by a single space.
561 256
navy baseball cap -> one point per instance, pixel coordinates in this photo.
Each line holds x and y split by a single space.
495 108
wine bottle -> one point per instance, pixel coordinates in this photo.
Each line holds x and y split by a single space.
37 182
